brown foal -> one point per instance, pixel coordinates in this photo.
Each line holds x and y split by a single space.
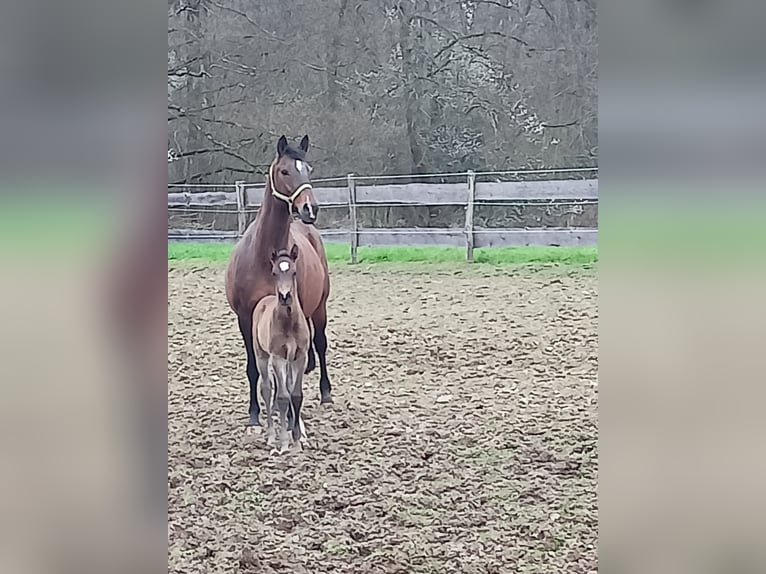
281 345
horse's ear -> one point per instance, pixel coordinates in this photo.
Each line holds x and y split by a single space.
305 143
273 257
281 145
294 252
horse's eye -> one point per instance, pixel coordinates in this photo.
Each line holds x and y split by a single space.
285 172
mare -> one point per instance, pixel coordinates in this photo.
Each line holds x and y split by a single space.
281 339
249 276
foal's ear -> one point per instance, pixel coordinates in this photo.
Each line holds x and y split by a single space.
274 257
294 252
305 143
281 145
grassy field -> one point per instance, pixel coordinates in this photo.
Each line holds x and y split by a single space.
340 253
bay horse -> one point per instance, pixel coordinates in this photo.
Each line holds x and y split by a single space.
281 339
249 275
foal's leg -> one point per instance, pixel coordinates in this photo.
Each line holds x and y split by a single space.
246 329
267 392
296 398
312 362
320 342
282 382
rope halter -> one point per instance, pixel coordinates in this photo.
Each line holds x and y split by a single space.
286 198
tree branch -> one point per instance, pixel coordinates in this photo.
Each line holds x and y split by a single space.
498 4
229 123
252 22
226 148
218 89
200 176
565 125
547 12
189 112
183 73
479 35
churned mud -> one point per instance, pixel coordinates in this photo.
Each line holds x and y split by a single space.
462 439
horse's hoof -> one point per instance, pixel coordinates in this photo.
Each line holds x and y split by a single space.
295 448
252 432
326 400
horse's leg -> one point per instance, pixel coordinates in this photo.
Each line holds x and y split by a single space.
312 362
320 342
296 399
246 328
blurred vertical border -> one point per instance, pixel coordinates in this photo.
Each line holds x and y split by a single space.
83 280
682 268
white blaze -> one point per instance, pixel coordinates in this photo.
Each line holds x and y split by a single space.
299 165
284 265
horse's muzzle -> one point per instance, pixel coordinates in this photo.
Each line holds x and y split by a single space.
308 213
285 298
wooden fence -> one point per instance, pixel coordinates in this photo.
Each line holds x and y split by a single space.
469 193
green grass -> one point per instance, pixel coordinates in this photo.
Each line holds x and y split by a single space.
339 253
681 230
52 226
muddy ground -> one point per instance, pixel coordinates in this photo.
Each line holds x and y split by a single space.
462 439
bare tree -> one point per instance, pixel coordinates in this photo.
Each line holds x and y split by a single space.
382 87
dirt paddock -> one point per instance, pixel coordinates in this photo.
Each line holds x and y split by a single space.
462 439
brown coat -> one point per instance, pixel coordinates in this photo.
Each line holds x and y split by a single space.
249 278
280 331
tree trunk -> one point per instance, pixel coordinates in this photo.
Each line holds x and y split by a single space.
411 86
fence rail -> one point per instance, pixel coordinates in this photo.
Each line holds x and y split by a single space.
245 198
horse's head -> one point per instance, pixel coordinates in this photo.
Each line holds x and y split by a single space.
290 182
283 268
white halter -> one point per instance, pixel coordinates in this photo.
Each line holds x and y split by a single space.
286 198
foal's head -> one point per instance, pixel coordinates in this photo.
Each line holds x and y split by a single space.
290 182
283 268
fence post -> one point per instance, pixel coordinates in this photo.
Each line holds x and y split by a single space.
469 217
352 216
241 204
